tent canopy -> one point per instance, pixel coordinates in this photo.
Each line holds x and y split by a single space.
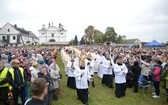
154 43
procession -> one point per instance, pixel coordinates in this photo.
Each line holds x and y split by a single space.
117 68
135 68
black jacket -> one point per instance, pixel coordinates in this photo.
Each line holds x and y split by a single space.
135 71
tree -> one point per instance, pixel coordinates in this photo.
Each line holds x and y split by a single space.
110 35
98 35
71 42
89 32
119 39
76 40
82 41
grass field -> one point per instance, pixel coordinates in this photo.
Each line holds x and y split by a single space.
101 95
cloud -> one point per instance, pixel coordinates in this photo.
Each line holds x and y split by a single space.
146 19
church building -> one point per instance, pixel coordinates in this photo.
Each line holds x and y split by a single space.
52 35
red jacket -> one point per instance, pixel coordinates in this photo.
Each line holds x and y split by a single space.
157 73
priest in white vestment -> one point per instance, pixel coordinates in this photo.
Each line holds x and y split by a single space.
82 76
71 66
99 62
120 71
108 71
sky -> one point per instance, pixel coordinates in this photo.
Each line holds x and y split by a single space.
143 19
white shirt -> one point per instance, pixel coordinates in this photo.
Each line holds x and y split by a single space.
69 69
107 67
82 81
100 66
91 66
76 61
120 73
99 59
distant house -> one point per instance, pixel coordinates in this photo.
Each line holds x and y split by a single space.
53 35
11 35
131 43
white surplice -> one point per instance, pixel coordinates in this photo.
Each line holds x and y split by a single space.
82 81
69 69
100 66
90 65
120 73
107 68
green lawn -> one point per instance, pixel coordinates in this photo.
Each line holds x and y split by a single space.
101 95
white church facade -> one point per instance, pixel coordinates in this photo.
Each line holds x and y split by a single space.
52 35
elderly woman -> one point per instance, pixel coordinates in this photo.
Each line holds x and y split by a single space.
34 71
54 73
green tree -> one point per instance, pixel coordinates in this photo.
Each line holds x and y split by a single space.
76 40
71 42
119 39
98 36
110 35
82 41
89 32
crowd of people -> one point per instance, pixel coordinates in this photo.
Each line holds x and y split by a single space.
130 67
21 66
37 66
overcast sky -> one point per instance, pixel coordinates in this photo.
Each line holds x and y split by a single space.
143 19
